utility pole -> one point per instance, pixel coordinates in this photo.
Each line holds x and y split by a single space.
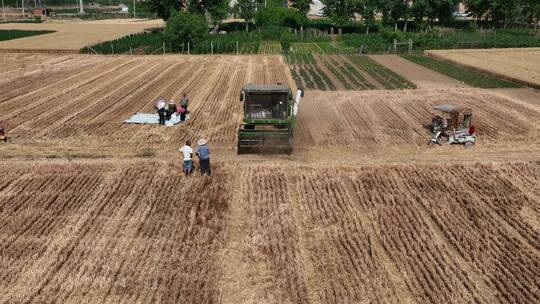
4 10
23 13
134 12
81 8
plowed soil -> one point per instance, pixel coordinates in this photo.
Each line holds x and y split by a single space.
363 210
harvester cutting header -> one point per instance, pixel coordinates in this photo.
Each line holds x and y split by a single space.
269 118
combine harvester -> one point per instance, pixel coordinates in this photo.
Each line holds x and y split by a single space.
269 119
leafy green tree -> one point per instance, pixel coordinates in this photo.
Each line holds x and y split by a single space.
246 10
279 16
398 10
234 10
419 10
367 9
185 27
196 7
285 42
340 12
302 6
166 8
444 9
218 10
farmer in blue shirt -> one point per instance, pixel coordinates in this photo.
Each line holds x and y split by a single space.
203 152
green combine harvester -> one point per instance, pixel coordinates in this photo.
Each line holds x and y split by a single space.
269 118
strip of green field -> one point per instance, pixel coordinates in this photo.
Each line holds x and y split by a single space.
469 76
14 34
386 77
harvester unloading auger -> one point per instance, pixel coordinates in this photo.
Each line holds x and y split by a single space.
269 119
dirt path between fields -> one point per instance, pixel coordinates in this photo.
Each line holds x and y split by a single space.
422 77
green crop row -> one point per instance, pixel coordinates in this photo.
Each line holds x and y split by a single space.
14 34
469 76
306 78
338 75
356 74
328 83
296 77
319 82
350 74
386 77
299 58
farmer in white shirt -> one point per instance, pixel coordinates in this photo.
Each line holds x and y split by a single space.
188 154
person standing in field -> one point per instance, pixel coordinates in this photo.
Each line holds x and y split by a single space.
171 108
187 152
184 104
160 107
203 153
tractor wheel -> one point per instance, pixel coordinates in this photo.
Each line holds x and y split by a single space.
469 144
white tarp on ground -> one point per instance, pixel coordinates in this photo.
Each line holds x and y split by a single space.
153 119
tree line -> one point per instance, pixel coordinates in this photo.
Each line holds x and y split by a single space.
501 13
421 13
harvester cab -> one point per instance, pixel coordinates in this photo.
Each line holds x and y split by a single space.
454 125
269 118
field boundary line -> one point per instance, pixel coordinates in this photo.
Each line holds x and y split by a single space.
368 224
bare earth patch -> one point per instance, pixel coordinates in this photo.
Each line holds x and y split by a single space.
422 77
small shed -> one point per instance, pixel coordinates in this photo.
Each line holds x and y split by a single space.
42 11
124 9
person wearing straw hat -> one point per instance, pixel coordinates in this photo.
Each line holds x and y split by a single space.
203 153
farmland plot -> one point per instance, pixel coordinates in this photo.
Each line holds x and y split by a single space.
341 72
373 120
90 99
496 259
81 232
521 65
130 231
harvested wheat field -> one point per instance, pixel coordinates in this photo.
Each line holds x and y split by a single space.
129 231
521 65
88 97
72 35
363 211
